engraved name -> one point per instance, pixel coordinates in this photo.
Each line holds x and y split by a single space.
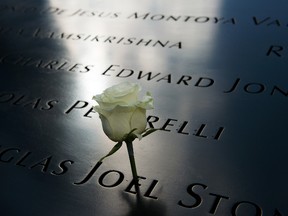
194 197
248 87
85 109
51 65
147 16
40 33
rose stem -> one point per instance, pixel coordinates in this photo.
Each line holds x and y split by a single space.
132 162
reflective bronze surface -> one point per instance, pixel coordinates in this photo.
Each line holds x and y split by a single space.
217 71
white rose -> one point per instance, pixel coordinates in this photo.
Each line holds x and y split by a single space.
120 110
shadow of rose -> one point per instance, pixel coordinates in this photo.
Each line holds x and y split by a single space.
141 206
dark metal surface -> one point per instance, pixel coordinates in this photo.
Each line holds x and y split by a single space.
219 79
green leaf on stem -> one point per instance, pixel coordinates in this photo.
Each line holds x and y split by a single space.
113 150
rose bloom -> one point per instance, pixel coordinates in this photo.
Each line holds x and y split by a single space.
120 110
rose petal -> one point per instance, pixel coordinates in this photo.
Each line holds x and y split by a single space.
138 120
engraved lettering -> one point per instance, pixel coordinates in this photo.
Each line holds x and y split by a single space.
63 167
19 162
43 163
196 196
89 175
113 184
275 50
216 203
6 159
78 105
236 207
